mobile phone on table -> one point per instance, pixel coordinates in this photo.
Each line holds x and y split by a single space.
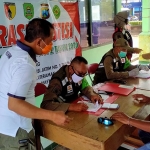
106 121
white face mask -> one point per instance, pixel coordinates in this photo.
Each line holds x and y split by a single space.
76 78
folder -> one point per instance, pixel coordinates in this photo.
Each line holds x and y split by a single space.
116 88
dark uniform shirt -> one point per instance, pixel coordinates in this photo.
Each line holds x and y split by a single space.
61 91
111 67
127 36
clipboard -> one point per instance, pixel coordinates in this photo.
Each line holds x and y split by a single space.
116 88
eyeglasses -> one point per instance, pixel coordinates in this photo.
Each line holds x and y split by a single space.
78 73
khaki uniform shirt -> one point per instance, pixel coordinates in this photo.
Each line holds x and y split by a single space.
53 99
110 68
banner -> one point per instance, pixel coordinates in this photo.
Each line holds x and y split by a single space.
16 14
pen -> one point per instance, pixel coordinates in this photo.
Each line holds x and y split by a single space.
82 99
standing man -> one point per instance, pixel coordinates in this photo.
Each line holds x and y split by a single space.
17 82
65 86
121 21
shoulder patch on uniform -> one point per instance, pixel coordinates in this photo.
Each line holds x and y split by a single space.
64 81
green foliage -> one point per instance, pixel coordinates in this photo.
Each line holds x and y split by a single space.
135 23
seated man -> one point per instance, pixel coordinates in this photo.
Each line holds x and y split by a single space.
115 65
65 85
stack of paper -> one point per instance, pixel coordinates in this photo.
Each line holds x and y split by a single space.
143 74
104 97
91 107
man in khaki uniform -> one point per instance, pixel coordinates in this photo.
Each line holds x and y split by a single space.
65 85
115 65
121 21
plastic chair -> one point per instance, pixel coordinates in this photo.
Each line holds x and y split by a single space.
92 69
39 90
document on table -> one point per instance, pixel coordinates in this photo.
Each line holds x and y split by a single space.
91 107
126 86
104 97
143 74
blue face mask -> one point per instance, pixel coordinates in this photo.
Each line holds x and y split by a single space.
122 54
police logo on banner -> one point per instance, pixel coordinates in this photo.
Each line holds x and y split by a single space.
45 11
28 10
10 10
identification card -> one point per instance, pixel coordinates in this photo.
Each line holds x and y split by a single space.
69 89
123 60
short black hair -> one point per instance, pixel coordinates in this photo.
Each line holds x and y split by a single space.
38 28
79 59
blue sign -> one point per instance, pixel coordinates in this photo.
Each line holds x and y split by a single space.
132 5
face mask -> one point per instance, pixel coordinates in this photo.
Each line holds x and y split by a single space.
122 54
76 78
47 48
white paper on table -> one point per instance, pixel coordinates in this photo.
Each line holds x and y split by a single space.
143 74
104 97
110 106
126 86
91 107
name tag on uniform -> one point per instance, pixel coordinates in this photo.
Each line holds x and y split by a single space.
69 88
123 60
117 66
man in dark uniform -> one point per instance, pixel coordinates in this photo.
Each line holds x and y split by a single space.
115 64
65 85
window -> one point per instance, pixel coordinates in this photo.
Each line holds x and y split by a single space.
102 21
96 22
84 23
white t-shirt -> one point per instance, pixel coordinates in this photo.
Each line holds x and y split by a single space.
17 79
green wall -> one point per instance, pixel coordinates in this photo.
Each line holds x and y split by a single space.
94 55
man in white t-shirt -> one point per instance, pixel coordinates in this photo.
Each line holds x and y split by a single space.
17 83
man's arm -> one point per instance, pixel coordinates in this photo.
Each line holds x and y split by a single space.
23 75
88 91
140 124
28 110
51 100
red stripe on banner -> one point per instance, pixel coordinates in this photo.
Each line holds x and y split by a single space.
78 50
73 11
